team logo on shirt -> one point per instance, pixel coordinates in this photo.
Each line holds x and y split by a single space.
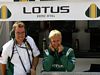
93 11
4 12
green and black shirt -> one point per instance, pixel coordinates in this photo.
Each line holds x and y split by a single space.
63 61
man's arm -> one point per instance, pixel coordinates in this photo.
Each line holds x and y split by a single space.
34 65
35 62
68 60
3 69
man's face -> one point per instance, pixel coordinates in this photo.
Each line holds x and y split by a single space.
56 41
19 34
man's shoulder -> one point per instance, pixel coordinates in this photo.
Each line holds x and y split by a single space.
67 48
9 43
8 46
29 38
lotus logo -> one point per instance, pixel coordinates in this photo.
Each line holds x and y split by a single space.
4 12
93 11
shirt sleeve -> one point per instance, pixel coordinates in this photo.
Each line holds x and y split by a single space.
5 53
68 60
36 51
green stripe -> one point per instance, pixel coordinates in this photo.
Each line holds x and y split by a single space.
8 13
16 0
98 12
10 70
87 12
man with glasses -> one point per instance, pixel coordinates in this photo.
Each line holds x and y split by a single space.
20 54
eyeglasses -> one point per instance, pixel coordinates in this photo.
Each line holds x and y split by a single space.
20 33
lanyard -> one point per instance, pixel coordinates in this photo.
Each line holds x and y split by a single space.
26 60
28 54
